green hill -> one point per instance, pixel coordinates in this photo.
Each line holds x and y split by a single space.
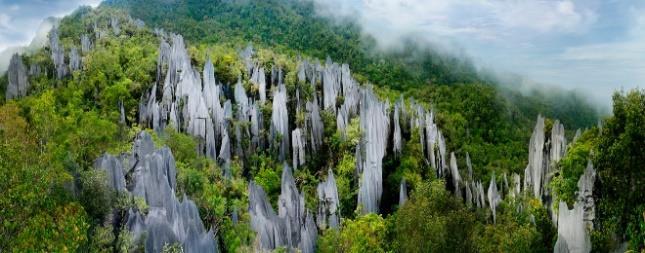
56 200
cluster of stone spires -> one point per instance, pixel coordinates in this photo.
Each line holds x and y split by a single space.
203 115
167 220
183 100
293 227
18 85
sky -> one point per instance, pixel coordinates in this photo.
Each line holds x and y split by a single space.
593 46
20 19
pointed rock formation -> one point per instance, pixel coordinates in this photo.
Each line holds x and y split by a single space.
374 126
18 82
403 193
74 60
572 232
168 219
57 54
292 228
298 145
280 121
86 44
493 197
535 170
328 212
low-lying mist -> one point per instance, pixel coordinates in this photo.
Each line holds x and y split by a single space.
423 53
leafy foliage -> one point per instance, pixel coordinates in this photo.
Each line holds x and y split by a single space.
363 234
619 163
50 139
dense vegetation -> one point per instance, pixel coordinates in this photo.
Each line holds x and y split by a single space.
54 200
486 120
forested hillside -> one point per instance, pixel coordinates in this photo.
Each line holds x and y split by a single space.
240 126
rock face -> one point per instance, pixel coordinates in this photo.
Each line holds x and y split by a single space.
168 220
74 60
397 139
298 144
57 54
186 104
280 121
535 169
18 81
328 203
114 23
35 70
315 124
543 157
575 224
454 172
585 194
374 126
114 171
572 232
403 193
293 227
86 44
494 197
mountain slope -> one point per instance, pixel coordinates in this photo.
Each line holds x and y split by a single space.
252 130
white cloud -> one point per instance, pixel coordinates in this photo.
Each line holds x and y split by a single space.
4 21
483 19
19 20
589 45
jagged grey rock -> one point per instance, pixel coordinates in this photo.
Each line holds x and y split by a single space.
74 60
493 197
403 193
168 219
572 231
35 70
558 142
577 135
258 77
469 195
442 153
264 221
561 245
293 226
57 53
534 172
514 192
121 113
397 142
116 27
454 173
86 44
328 212
280 121
138 23
211 93
585 194
374 126
17 76
114 171
247 57
298 145
469 164
316 124
331 80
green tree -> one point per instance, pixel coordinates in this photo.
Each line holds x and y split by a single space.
620 160
366 233
433 221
